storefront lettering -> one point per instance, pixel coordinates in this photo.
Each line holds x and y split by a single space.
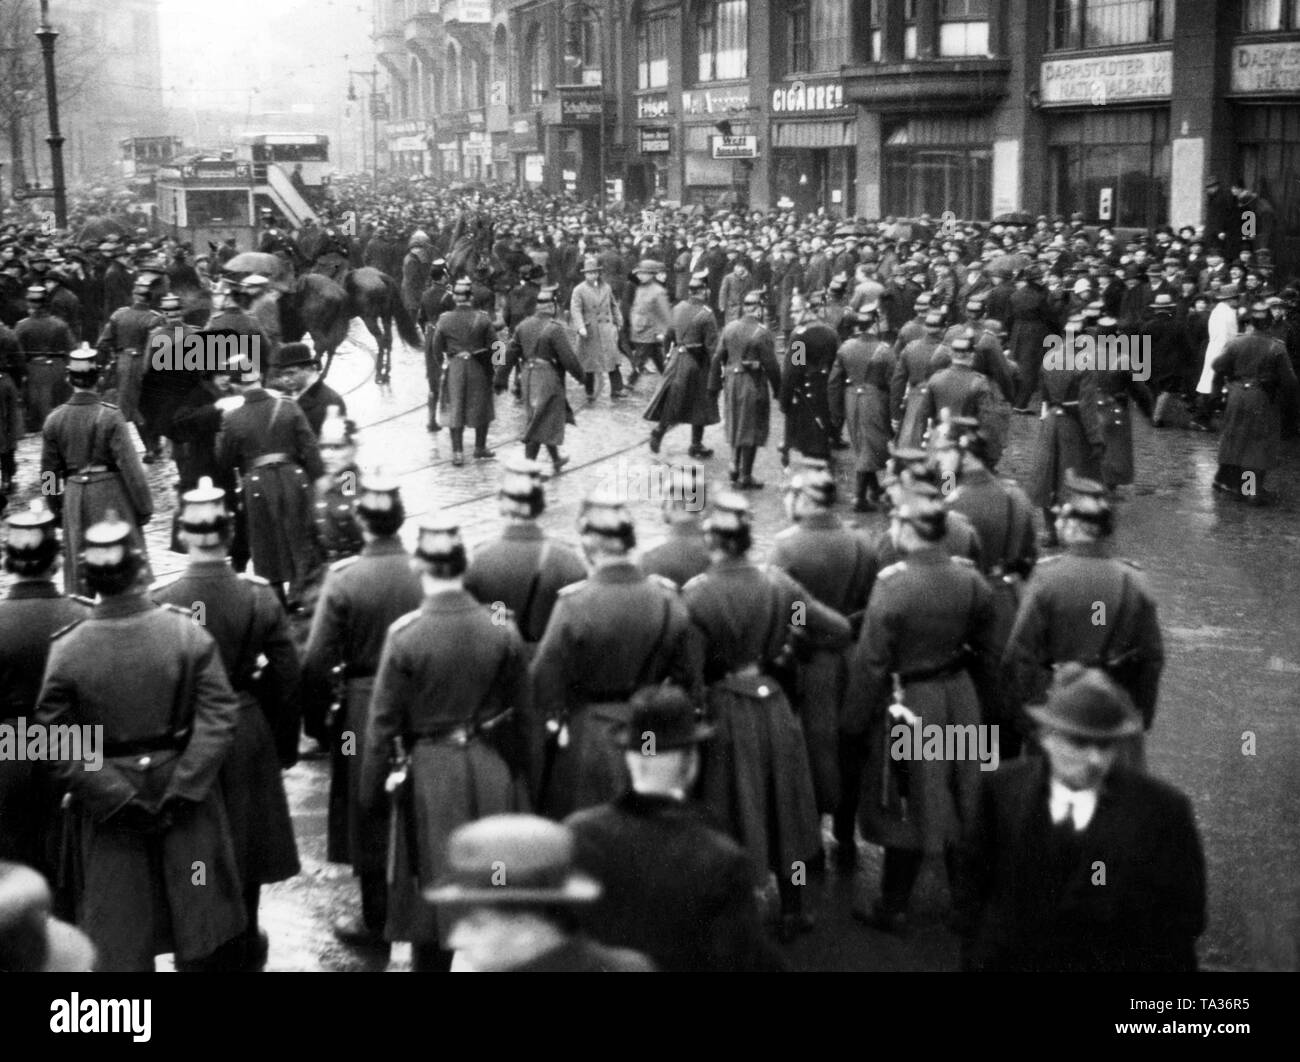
799 96
1110 79
715 101
652 106
1266 67
654 141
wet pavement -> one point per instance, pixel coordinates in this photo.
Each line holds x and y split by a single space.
1226 577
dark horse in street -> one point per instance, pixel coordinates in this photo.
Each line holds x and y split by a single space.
319 306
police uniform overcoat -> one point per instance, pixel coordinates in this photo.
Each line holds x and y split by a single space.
608 636
744 367
462 343
908 395
270 443
1067 438
125 339
154 680
1260 378
445 670
45 341
85 445
838 567
683 396
928 622
682 556
805 399
540 347
858 394
363 596
244 616
755 775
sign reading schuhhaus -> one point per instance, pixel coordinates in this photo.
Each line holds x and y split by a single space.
1107 79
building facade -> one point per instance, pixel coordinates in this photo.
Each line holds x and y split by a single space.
1119 109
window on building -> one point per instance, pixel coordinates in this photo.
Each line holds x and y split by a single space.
1269 16
1107 23
451 74
473 73
535 68
964 27
582 47
1113 167
873 18
652 53
722 32
909 29
817 36
500 61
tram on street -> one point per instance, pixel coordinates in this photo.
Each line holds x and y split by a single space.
307 154
204 199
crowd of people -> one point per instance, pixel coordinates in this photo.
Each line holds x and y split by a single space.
614 759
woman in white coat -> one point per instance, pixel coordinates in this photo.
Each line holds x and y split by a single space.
1222 327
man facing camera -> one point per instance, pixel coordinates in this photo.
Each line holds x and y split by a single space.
1075 862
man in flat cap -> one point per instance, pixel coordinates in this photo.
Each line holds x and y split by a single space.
675 887
1075 863
514 901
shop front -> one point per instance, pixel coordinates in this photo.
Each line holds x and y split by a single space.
524 145
935 163
1108 137
719 146
814 147
407 146
572 125
650 173
1265 95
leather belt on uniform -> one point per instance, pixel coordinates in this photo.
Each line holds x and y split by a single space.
89 469
751 670
49 359
461 734
268 459
945 670
605 696
747 366
1062 408
464 355
354 672
158 743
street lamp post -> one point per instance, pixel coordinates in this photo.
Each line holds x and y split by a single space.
373 75
47 35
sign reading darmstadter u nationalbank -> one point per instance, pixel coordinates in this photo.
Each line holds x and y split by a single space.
1107 79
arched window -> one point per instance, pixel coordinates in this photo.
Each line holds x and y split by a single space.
472 93
582 46
501 62
416 82
536 68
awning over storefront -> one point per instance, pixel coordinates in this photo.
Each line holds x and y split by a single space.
813 134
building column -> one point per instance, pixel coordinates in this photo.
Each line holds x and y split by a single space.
869 164
762 38
1200 118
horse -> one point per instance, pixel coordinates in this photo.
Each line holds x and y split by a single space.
323 308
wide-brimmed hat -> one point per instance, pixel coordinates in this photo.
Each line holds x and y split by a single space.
649 265
663 718
512 859
31 940
591 264
1163 301
294 354
1227 291
1085 702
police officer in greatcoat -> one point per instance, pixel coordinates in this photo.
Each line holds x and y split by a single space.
165 384
685 553
362 597
805 398
541 349
682 396
252 633
524 570
436 300
267 440
744 367
119 278
926 645
45 342
838 567
1087 606
756 777
90 463
31 611
907 467
123 346
158 872
608 636
338 531
450 676
462 348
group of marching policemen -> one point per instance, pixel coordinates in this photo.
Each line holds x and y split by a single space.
550 760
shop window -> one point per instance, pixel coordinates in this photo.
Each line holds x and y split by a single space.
1109 23
930 180
1269 16
964 27
722 34
1113 168
652 53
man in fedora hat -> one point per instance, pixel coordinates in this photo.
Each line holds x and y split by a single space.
1171 352
152 812
541 349
30 612
594 313
242 613
1075 863
650 318
675 887
1067 595
297 370
31 940
514 901
1223 327
450 686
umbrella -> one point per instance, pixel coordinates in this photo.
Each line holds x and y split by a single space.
1014 217
268 265
98 229
1010 264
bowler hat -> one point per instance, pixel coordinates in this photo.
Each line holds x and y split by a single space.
663 719
1085 702
293 354
31 941
512 859
1163 301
